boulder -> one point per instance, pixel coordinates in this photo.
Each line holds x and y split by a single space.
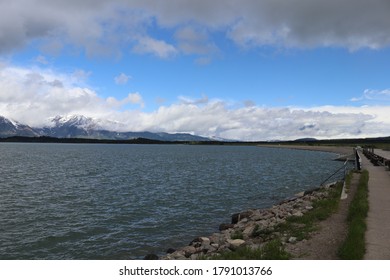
189 250
235 243
248 230
242 215
225 226
171 250
151 257
199 241
217 238
292 240
297 213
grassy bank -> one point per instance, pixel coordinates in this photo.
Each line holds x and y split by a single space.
353 247
301 227
273 250
298 227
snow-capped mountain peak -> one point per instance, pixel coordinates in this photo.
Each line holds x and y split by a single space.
78 121
10 127
78 126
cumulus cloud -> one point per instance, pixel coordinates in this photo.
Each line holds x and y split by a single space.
34 95
159 48
258 123
122 79
132 98
96 26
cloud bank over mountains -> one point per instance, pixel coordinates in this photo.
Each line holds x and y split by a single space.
33 96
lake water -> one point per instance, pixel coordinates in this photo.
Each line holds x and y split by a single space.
70 201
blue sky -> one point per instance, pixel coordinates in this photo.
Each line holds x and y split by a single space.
247 70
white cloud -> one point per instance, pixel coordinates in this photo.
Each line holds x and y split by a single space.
122 79
132 98
148 45
135 98
187 100
33 95
373 94
79 76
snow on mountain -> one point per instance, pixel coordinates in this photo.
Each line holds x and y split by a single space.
78 126
75 120
11 128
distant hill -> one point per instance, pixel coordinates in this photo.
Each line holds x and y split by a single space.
306 140
84 127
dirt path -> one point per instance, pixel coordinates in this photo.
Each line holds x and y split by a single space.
324 243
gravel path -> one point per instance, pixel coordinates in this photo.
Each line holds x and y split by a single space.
324 243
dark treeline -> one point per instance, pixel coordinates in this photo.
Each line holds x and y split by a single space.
47 139
311 142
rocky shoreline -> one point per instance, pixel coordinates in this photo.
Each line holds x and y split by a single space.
252 228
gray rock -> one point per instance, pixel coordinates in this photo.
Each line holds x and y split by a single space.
235 243
151 257
171 250
204 240
223 227
189 250
298 214
242 215
292 240
248 230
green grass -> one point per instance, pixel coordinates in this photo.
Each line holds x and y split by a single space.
273 250
353 247
237 235
301 227
348 180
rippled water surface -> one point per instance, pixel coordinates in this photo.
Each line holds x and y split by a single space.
60 201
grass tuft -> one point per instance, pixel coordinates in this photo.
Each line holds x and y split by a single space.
237 235
354 246
273 250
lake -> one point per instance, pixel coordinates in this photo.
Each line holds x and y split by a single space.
87 201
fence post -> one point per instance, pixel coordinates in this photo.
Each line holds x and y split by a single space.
357 160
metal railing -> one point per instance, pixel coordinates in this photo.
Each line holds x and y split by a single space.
343 169
358 159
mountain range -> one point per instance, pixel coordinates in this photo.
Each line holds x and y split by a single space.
78 126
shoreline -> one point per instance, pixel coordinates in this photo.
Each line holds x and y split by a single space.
246 227
252 228
341 150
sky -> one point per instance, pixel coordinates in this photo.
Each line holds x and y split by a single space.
233 69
